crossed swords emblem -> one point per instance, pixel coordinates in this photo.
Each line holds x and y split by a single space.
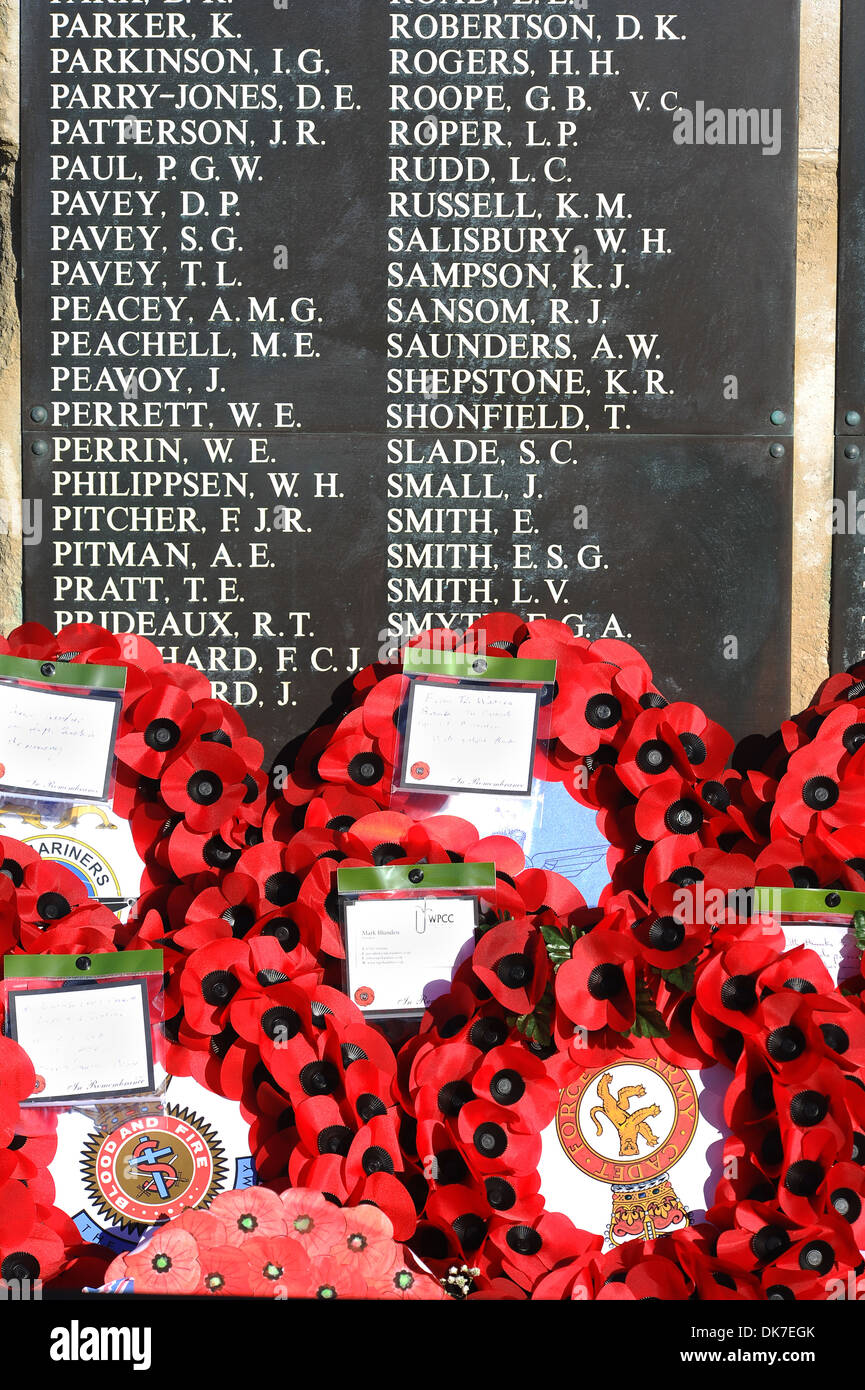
147 1159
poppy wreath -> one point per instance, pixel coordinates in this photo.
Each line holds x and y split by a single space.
189 779
238 891
652 972
242 906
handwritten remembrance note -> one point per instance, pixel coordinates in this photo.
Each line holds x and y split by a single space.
470 738
86 1041
400 954
55 744
834 943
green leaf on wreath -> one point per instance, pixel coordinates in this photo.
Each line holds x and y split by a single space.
536 1026
682 977
648 1022
560 942
558 946
859 930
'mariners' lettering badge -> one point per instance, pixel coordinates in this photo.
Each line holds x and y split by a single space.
627 1125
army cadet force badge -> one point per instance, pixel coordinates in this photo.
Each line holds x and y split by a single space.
627 1125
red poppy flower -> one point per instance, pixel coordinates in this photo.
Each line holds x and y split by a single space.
29 1155
212 977
652 1277
816 1102
573 1280
17 1214
313 1221
278 1265
458 1216
501 632
757 1234
39 1254
85 931
205 784
491 1141
157 729
819 787
597 986
727 991
803 1188
588 713
166 1264
225 1271
792 1041
234 900
355 761
368 1244
841 1025
322 1173
278 1021
511 960
512 1078
224 724
316 913
335 810
405 1281
671 806
330 1279
677 739
800 971
846 1198
48 892
671 939
374 1149
382 709
400 1196
33 641
529 1250
750 1097
826 1249
806 862
555 715
680 1046
541 890
253 1211
305 781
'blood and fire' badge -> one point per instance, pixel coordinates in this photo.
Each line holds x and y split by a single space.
628 1125
152 1167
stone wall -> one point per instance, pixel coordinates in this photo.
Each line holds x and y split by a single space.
815 342
818 161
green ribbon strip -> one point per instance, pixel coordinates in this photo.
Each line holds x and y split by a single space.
420 661
397 878
73 968
64 673
807 901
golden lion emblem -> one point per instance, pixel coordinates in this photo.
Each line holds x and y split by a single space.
77 813
629 1127
23 811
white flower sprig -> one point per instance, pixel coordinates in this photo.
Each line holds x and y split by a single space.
459 1281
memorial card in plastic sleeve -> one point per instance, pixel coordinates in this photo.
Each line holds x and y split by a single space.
85 1042
401 954
470 738
56 744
